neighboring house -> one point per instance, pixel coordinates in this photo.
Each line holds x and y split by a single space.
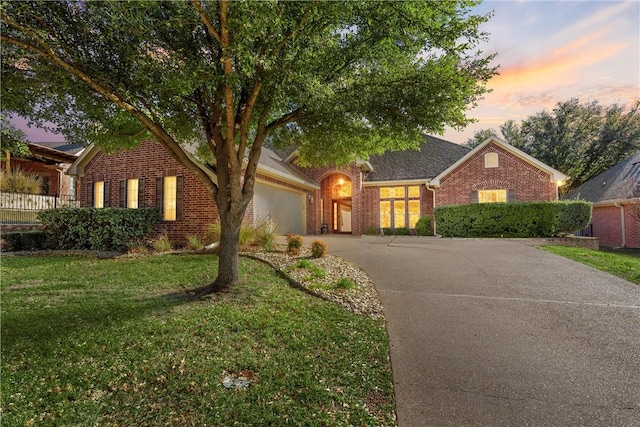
388 191
50 160
615 195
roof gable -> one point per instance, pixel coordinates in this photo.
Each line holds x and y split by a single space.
555 175
620 182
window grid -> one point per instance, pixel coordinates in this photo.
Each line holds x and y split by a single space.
402 206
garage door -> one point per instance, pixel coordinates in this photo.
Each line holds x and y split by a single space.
286 207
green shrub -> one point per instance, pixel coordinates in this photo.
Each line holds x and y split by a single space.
294 243
115 229
400 231
27 240
344 283
372 230
318 249
303 263
423 226
537 219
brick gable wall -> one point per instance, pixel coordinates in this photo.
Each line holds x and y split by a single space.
148 162
529 182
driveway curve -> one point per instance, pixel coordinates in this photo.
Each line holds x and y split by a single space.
492 332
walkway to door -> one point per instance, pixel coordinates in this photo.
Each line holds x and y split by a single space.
494 332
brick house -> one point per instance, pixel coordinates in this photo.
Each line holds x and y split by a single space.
391 190
615 195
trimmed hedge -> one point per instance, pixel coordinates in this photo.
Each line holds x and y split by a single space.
111 229
541 219
27 240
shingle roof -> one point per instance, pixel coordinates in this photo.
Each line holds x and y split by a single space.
620 182
273 162
62 146
434 156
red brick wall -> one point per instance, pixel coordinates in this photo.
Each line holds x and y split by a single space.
148 162
529 182
607 225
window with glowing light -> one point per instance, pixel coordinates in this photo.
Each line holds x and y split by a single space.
402 207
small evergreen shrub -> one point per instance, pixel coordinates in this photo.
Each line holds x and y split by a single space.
372 230
294 243
400 231
111 229
423 226
318 249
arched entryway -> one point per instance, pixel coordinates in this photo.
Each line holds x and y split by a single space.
341 207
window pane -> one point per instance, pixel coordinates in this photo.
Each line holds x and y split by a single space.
170 192
385 192
414 191
414 212
132 193
492 196
398 192
385 214
98 194
399 214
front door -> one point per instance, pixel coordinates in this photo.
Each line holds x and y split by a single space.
342 216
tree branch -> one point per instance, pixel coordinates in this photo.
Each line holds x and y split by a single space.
296 30
287 118
205 20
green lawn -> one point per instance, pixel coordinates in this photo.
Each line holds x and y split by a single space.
89 341
619 264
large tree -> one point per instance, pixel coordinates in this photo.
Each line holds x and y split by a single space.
339 78
579 139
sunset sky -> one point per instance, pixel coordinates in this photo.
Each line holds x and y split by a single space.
548 52
552 51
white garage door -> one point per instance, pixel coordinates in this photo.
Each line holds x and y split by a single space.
286 207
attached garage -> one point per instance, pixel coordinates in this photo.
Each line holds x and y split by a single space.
285 206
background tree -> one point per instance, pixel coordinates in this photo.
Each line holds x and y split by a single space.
339 78
13 142
579 139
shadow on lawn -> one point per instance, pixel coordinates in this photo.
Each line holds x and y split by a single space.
64 316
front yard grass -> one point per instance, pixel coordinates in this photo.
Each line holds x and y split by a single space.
619 264
89 341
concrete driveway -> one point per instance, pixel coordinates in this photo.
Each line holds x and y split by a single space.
498 333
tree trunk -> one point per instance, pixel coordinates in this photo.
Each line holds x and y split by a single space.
228 259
